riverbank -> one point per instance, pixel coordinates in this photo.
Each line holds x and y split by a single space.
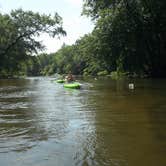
113 74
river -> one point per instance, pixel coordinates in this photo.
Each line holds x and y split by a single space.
102 124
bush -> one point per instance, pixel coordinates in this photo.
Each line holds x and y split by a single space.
117 74
102 73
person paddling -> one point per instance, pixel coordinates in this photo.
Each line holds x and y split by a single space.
69 77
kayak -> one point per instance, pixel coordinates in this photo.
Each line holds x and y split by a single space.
60 81
74 85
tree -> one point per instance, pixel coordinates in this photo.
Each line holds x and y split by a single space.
17 35
28 25
132 33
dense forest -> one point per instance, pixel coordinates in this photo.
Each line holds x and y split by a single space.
129 38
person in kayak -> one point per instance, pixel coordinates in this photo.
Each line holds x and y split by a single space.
70 77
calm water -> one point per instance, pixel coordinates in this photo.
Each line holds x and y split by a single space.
103 124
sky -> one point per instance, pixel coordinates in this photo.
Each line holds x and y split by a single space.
70 10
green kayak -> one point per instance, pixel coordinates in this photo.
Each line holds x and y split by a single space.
60 81
74 85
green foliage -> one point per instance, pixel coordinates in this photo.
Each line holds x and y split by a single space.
17 37
102 73
117 75
129 37
131 34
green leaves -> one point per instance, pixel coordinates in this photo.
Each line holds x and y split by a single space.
131 34
18 32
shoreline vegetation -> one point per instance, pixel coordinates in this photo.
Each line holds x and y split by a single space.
129 39
113 75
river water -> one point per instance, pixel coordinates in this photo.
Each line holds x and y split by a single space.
102 124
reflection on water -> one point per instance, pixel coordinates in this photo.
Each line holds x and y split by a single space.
104 123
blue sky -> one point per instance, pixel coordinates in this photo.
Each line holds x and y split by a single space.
70 10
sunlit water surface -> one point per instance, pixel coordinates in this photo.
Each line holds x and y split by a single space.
102 124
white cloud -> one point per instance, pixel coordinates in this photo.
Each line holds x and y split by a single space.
76 3
75 27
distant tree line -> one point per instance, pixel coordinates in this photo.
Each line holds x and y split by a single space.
129 37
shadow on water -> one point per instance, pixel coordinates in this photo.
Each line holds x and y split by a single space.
130 124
